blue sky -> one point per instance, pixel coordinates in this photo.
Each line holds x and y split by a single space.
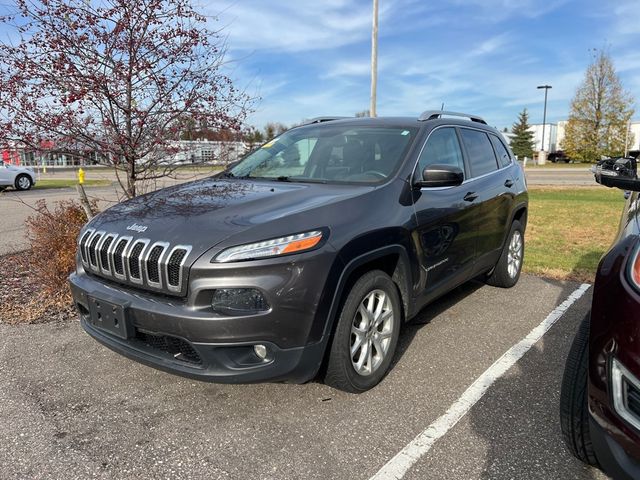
308 58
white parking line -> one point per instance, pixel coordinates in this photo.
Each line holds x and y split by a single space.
399 465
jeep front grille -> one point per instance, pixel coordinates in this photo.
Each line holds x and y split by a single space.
139 262
173 266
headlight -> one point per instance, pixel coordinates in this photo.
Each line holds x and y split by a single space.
634 270
299 242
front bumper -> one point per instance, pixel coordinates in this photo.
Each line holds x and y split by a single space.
613 458
221 363
185 337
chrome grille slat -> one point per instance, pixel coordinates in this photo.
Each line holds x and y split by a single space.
136 261
84 240
103 252
118 257
174 266
93 250
153 263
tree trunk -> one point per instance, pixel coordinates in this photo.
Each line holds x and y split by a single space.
131 177
84 202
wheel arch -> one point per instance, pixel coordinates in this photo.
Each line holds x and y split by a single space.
392 259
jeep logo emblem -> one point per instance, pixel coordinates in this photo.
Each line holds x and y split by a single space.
137 228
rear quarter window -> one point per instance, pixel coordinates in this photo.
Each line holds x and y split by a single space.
503 154
482 159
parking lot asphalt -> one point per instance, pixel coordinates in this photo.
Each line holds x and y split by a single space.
560 176
16 207
70 408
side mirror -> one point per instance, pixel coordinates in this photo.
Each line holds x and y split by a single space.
440 176
617 173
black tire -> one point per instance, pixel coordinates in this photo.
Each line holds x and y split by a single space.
500 277
574 411
20 183
341 372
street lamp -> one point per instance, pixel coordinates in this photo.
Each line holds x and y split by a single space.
544 116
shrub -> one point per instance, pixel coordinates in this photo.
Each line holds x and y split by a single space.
52 238
33 287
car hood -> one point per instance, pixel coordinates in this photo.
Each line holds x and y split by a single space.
205 212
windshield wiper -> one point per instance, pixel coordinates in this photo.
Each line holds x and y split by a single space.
283 178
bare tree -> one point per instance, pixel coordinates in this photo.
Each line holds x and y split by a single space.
119 78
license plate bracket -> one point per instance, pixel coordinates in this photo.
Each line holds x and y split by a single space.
108 316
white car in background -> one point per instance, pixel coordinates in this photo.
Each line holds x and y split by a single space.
20 178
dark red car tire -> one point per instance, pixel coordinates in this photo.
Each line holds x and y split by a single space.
574 411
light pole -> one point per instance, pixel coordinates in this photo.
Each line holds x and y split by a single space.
544 115
374 60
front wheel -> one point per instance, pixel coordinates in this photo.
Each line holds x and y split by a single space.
366 334
507 270
23 182
574 411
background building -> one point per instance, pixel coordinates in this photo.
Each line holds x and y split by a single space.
550 137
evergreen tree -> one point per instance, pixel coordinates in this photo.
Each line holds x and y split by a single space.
522 142
600 112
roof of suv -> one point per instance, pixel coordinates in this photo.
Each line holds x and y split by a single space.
428 116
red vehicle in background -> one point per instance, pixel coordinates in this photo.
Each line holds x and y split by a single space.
600 397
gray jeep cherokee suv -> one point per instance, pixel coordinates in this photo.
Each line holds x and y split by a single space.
304 258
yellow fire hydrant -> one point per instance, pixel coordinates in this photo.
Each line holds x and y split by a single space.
81 176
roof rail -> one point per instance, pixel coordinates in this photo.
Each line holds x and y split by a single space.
321 120
433 114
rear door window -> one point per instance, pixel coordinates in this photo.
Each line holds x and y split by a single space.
503 154
442 148
482 159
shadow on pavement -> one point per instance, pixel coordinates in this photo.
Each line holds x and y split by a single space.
409 330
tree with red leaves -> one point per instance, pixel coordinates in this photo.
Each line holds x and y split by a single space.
120 78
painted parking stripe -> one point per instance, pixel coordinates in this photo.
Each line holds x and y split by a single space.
399 465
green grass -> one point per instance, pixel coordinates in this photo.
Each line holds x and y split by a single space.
569 229
66 183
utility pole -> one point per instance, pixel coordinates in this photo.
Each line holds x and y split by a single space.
374 60
626 139
544 115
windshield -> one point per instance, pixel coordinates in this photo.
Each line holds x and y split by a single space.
329 154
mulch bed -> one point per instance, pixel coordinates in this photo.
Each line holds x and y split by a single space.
22 298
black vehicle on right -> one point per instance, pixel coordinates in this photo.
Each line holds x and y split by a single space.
600 397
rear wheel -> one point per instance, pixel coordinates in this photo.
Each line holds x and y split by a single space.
23 182
574 411
507 270
366 334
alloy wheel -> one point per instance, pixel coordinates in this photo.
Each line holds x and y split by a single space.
24 183
514 256
371 332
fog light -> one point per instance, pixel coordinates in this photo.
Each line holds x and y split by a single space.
260 351
239 301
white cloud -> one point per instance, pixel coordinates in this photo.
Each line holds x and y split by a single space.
491 45
500 10
292 26
354 68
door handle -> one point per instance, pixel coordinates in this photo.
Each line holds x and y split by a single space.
508 183
470 196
